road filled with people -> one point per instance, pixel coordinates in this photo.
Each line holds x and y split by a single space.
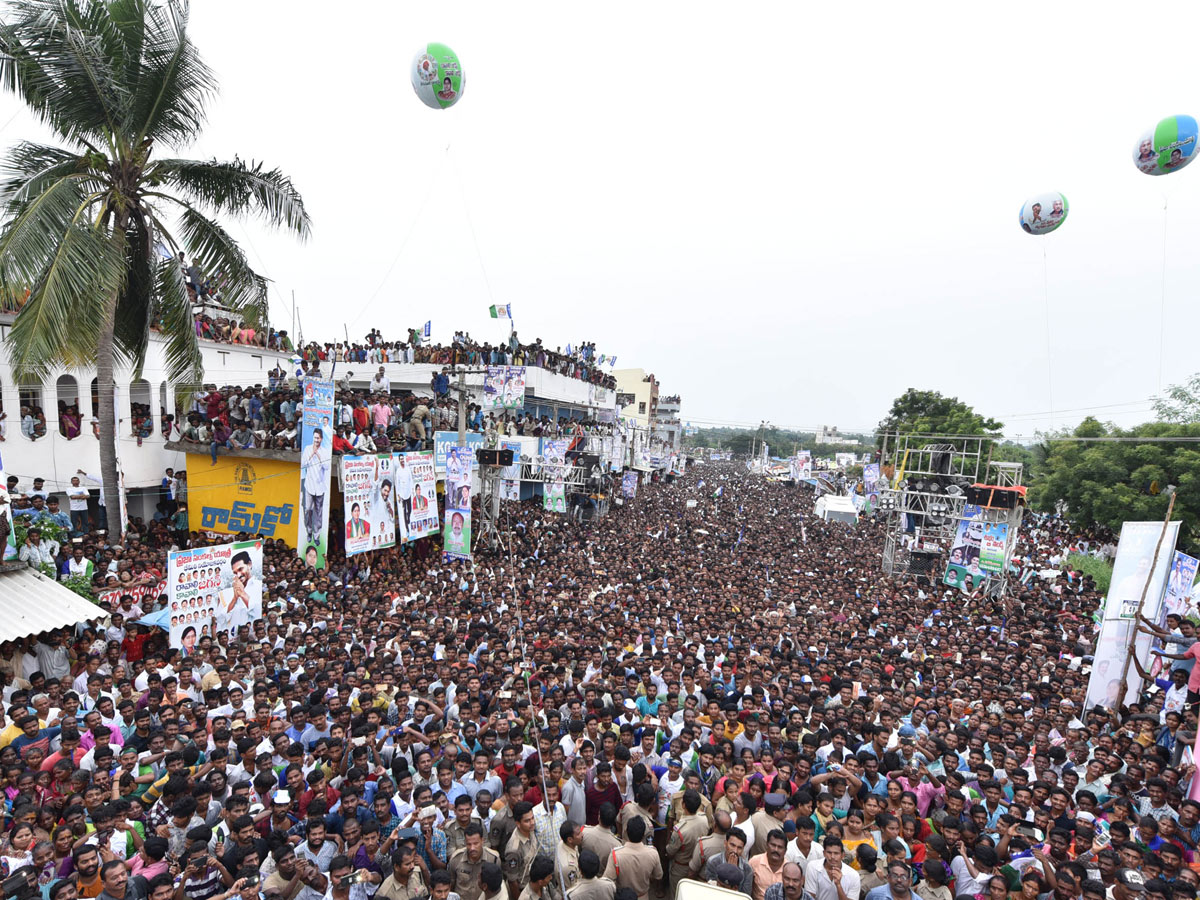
706 683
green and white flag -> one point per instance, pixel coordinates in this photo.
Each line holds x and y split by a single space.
504 311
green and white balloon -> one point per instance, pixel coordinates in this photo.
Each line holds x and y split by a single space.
437 76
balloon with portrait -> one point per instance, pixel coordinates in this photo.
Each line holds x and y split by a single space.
437 76
1167 147
1044 213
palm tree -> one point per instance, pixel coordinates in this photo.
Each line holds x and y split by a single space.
91 229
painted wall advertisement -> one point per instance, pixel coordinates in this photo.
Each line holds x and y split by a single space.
369 497
554 455
416 493
213 591
316 460
239 494
1133 571
456 532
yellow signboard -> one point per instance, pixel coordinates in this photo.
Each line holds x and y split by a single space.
257 496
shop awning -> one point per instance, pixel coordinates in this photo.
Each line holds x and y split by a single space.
31 603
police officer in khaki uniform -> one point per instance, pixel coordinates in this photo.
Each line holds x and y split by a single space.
591 886
541 875
464 865
457 826
406 881
694 782
681 845
566 857
636 865
600 838
521 850
713 845
639 810
766 820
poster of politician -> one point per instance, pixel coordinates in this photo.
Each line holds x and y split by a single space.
369 497
554 492
456 533
416 495
213 591
510 484
316 462
964 551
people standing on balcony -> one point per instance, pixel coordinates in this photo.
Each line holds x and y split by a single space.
28 423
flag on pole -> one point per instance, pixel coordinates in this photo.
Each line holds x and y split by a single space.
603 357
719 491
612 361
427 330
568 349
503 311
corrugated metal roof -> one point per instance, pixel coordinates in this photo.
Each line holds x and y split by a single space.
31 603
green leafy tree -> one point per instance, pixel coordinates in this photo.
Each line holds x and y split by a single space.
1181 404
929 412
1110 482
91 228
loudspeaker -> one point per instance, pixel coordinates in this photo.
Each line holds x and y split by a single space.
494 457
589 460
993 497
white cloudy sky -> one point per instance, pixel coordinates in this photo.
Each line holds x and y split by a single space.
784 210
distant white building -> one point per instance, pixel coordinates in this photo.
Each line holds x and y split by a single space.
667 427
829 435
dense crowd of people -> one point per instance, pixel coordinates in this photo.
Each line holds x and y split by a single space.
720 688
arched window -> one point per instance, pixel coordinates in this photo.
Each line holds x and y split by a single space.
96 397
29 392
70 419
141 417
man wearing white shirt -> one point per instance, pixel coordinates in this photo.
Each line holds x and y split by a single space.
828 878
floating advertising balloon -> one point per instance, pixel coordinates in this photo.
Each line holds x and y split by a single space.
1043 213
437 76
1167 147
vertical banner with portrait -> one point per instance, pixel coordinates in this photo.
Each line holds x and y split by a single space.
1178 598
456 532
416 495
554 456
629 483
510 476
493 387
992 544
9 550
213 591
316 461
514 387
369 497
871 484
1131 575
964 551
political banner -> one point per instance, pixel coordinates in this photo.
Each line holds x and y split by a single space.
1131 575
964 551
1179 585
871 484
629 484
992 544
615 445
510 476
805 457
138 592
444 440
554 467
493 387
369 498
9 550
213 591
514 387
316 466
842 460
456 532
416 495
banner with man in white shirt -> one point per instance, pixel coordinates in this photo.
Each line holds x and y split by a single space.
212 591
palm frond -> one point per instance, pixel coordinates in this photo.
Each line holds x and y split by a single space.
29 168
174 85
238 188
184 363
30 237
65 312
242 289
52 53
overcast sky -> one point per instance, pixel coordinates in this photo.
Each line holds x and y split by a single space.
785 211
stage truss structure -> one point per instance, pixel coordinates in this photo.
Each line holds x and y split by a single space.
925 501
